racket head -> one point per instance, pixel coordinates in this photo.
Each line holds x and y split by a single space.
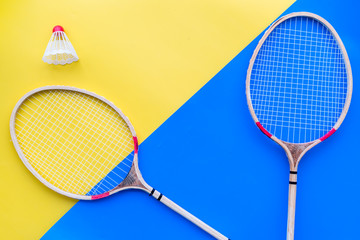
299 81
74 141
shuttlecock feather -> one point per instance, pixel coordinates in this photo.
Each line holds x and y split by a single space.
59 49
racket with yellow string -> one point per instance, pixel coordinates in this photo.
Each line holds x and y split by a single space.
82 146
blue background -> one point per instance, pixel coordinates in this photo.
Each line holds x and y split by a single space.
210 158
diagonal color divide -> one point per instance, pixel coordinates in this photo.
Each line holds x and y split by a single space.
148 57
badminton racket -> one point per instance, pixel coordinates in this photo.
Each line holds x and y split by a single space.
82 146
298 88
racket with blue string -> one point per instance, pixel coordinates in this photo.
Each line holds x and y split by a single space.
81 145
298 88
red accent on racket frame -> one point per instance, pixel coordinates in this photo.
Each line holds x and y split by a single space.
331 132
258 124
136 145
100 196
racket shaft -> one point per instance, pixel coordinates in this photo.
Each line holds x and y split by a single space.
189 216
291 212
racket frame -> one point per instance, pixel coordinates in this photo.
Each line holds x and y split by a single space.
43 180
133 180
295 151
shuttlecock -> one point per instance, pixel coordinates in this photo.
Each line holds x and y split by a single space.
59 49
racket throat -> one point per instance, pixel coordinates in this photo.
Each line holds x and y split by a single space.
133 180
295 151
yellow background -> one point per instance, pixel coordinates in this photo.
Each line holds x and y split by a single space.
146 56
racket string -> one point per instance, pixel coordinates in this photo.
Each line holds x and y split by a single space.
298 81
48 147
93 131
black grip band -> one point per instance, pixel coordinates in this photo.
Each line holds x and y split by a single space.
291 182
293 172
159 198
152 192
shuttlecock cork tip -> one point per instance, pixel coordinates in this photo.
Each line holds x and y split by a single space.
58 28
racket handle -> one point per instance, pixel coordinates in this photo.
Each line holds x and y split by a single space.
291 206
187 215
